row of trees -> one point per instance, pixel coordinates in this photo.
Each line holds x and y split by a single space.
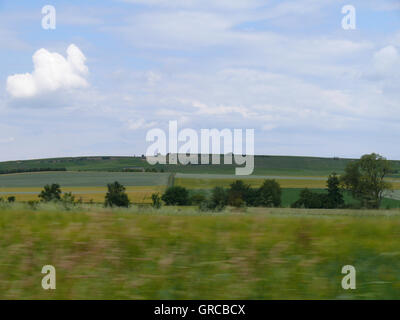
238 194
363 179
24 170
330 200
115 196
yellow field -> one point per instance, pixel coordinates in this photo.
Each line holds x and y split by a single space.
137 194
211 183
195 183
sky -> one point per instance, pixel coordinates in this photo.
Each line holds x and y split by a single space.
111 71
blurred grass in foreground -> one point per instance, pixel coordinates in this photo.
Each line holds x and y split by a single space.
179 253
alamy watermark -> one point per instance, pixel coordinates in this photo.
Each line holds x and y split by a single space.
49 18
198 150
349 20
49 280
349 280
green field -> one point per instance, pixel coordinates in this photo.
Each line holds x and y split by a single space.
178 253
82 179
264 165
89 186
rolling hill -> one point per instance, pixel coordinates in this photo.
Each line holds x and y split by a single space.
264 165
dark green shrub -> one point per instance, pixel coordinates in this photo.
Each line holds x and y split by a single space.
156 200
176 196
116 196
50 193
197 197
238 190
68 200
270 194
217 201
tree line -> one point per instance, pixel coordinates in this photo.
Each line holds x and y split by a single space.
23 170
363 179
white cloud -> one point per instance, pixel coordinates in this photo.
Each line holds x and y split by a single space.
387 61
51 71
7 140
140 124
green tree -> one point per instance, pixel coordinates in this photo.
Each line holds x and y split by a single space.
50 193
219 198
364 178
335 194
176 196
238 193
270 194
116 196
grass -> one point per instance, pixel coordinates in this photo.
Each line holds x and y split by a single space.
183 254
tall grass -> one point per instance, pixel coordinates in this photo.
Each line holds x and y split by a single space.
179 253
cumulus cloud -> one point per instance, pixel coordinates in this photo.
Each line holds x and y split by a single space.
387 61
51 72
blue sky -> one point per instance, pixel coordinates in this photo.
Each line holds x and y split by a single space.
286 69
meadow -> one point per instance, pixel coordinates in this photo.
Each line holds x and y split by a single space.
180 253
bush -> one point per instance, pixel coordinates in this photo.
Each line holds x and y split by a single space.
116 196
197 197
33 204
156 199
68 200
219 198
176 196
11 199
217 202
238 203
50 193
270 194
238 190
332 199
335 193
311 200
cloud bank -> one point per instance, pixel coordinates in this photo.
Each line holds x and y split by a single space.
51 72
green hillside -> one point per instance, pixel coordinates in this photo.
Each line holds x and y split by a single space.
282 165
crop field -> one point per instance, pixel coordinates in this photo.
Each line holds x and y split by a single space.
89 186
136 194
264 165
210 182
178 253
82 179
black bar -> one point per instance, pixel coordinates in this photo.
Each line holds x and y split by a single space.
201 309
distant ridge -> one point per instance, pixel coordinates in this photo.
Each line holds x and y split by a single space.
264 165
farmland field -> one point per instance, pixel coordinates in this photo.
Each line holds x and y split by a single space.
183 254
264 165
82 179
90 186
